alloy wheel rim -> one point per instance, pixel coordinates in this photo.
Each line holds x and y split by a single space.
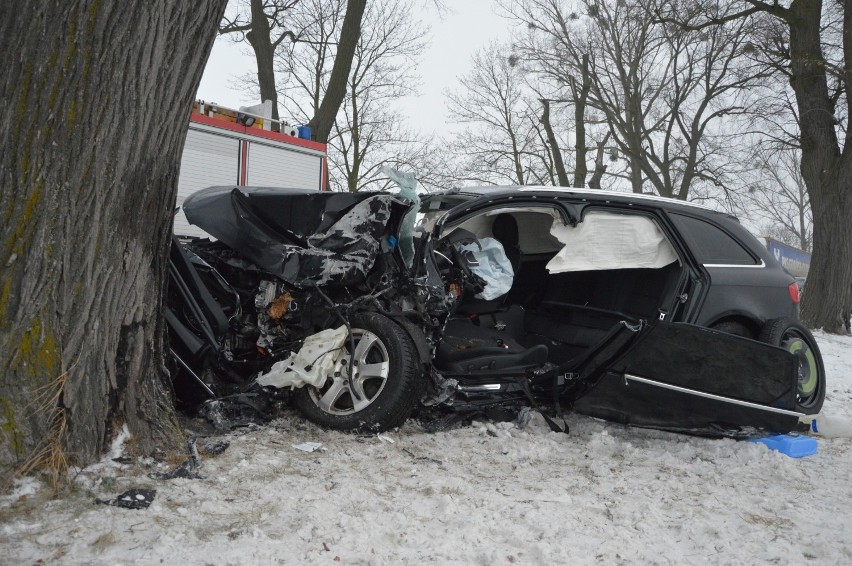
341 395
808 370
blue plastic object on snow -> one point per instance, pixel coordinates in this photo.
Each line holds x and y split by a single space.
304 132
793 445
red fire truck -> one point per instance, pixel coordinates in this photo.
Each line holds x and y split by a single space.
236 147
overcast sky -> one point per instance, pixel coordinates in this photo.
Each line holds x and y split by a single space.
469 25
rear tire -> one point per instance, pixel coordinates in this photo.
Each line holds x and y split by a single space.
378 398
794 337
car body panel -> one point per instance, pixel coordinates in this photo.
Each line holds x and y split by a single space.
304 237
689 378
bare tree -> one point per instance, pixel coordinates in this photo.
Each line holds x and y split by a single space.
265 31
304 67
262 23
368 131
819 60
662 92
323 119
778 196
504 140
553 141
382 72
96 96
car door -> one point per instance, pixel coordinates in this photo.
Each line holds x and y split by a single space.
688 378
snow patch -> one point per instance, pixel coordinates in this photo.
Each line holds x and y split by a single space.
490 493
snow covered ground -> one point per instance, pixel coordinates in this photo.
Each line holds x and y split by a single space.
484 494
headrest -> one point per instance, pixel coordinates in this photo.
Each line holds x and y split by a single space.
505 230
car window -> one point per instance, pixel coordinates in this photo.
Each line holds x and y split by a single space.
710 244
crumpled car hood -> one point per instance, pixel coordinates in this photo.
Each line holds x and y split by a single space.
304 237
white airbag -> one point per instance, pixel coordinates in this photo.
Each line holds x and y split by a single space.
311 365
610 241
494 267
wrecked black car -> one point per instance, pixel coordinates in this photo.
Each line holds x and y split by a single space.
641 310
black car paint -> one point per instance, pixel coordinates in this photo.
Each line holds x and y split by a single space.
749 293
691 384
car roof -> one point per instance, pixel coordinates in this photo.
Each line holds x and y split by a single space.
586 194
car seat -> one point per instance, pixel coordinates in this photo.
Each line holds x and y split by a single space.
469 349
505 230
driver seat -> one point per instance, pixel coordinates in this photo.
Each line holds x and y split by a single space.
505 230
468 350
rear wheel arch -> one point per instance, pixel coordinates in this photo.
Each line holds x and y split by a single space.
738 325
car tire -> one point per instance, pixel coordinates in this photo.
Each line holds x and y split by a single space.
389 393
733 327
794 337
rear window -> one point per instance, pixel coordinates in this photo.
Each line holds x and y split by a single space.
710 244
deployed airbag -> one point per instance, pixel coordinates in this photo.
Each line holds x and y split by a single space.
311 365
610 241
493 266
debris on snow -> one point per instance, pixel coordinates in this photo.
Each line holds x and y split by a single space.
308 446
212 447
188 469
131 499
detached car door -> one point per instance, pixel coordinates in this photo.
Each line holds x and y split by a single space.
688 378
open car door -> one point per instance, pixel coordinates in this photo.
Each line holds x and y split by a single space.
688 378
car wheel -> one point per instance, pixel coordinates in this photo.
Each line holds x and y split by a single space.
386 382
794 337
733 327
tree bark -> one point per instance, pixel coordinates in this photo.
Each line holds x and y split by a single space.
827 171
96 99
322 123
600 167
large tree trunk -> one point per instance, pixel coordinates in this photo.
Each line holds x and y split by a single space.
828 289
826 170
96 97
350 31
